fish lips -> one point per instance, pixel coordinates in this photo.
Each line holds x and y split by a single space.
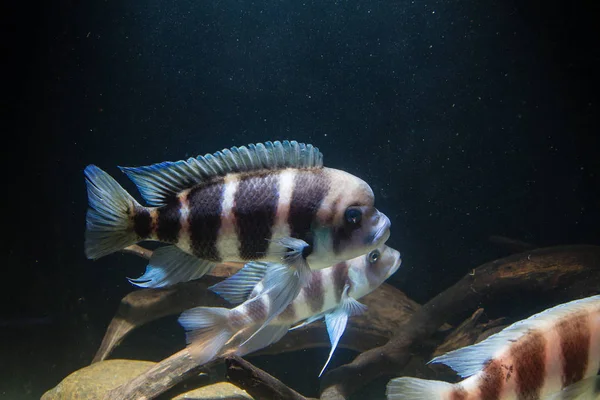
382 234
396 265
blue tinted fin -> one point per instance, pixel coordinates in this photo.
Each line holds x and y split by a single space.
237 288
170 265
207 332
159 182
418 389
337 319
282 282
108 223
308 321
266 336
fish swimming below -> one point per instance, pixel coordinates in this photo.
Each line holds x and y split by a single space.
269 202
331 293
552 355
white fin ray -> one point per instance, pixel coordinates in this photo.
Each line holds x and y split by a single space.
159 182
237 288
266 336
108 226
337 319
469 360
207 331
282 282
308 321
417 389
170 265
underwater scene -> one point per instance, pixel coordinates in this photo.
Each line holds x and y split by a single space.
334 200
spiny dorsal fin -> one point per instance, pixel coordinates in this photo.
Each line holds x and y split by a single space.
159 182
469 360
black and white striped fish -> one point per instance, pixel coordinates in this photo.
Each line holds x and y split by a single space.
552 355
332 294
247 203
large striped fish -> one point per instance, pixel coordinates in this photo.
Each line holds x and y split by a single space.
554 354
332 293
260 202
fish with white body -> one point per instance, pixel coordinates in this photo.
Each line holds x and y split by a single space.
553 354
331 293
269 202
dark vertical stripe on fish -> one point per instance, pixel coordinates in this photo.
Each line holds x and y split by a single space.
254 208
168 222
492 381
237 319
529 355
310 188
289 314
339 276
205 219
142 222
313 292
257 309
575 339
459 393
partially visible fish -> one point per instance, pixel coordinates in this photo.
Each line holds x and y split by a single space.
271 202
331 293
552 353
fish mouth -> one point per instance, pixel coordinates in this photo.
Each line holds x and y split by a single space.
383 233
397 264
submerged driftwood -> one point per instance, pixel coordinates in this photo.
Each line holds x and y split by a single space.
388 335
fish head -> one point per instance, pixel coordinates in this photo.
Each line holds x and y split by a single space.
382 263
348 222
369 271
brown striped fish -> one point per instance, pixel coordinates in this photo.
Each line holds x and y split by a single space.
266 202
554 354
331 293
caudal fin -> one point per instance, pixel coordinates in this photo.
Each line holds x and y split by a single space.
208 331
109 225
418 389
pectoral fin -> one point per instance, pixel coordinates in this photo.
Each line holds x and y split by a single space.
337 320
282 282
237 288
170 265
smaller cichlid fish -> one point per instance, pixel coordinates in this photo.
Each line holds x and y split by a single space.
552 355
331 293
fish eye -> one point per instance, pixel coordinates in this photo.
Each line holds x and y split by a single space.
353 216
374 256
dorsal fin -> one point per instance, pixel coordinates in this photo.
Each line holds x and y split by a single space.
159 182
469 360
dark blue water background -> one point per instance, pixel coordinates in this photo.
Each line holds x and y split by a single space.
468 118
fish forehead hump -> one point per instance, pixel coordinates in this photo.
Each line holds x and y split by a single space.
346 190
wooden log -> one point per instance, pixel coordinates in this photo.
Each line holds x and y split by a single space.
466 333
145 305
158 379
536 271
257 382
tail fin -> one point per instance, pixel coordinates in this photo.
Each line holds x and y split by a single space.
418 389
208 331
109 227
